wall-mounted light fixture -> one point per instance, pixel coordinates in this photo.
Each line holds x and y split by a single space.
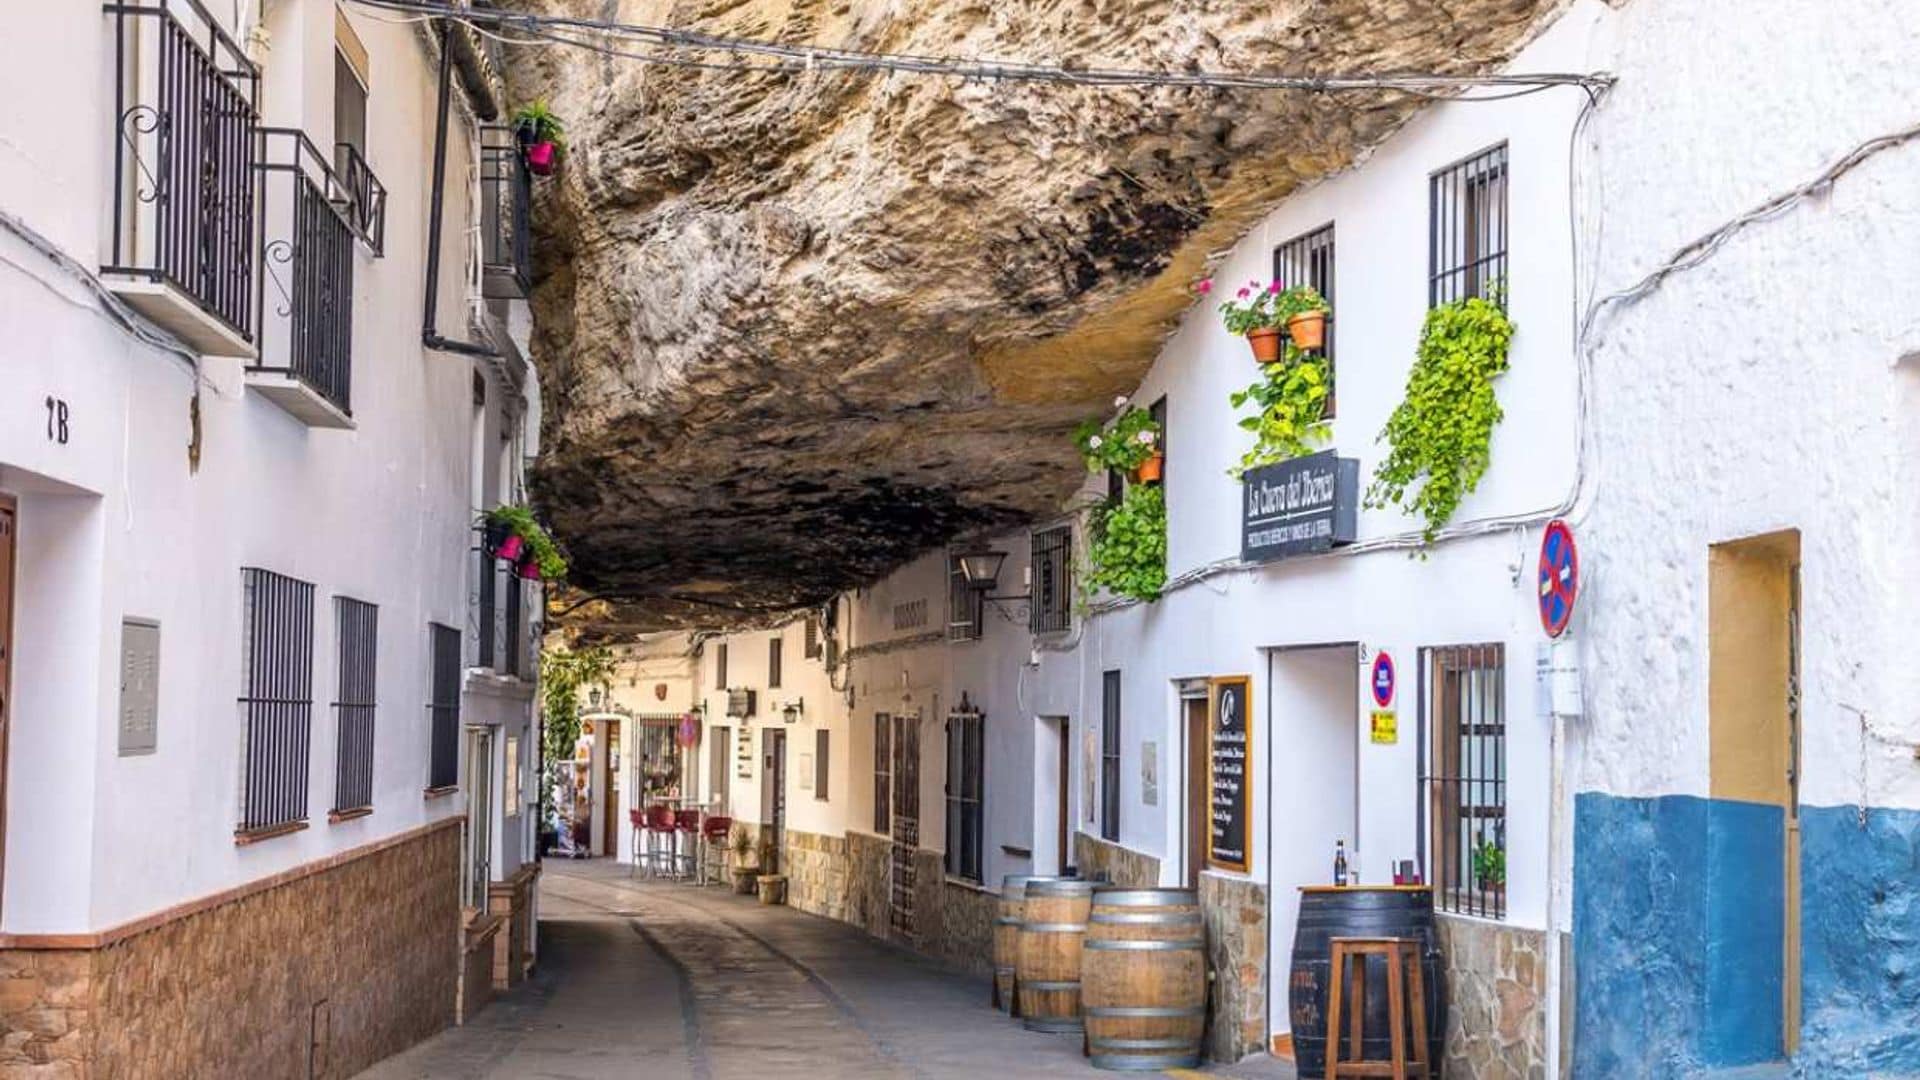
792 711
980 567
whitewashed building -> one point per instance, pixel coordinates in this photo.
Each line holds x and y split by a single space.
266 714
1705 795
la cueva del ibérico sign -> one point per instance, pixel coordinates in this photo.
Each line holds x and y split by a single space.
1298 506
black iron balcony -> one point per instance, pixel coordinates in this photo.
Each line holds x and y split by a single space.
365 198
185 106
498 617
505 194
306 338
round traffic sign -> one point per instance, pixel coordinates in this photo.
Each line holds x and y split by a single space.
1381 682
1559 577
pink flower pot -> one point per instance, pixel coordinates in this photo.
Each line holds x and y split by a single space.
540 158
528 567
511 547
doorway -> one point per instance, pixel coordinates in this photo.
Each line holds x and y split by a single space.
719 748
1753 816
773 796
610 785
906 823
1051 787
479 816
8 513
1193 812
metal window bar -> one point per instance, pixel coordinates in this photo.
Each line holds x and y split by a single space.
186 101
965 821
773 663
307 231
277 706
1308 259
506 192
353 706
486 605
1463 774
1467 229
1110 756
513 648
364 197
443 708
966 608
882 771
1052 607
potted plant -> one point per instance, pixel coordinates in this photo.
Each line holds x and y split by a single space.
745 875
539 131
1250 314
1303 311
1127 550
1129 443
507 529
1490 867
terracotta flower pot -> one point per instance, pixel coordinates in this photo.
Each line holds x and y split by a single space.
510 547
1150 469
1266 344
746 880
1308 329
540 158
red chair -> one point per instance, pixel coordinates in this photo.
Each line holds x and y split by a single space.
637 823
660 833
713 834
687 852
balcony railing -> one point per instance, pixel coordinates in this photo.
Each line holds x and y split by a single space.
183 214
307 290
365 205
505 194
498 618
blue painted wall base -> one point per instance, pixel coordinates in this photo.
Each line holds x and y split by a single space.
1678 938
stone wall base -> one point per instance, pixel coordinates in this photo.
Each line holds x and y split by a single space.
1236 912
1496 999
320 975
512 902
1121 865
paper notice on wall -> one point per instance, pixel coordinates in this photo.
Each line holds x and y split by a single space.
1385 727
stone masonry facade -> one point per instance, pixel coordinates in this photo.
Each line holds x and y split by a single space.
1496 1000
1120 865
1236 913
816 869
318 975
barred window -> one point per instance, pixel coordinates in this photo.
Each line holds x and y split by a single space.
966 753
1307 259
820 764
1464 769
1110 756
882 772
813 637
720 666
773 663
443 709
353 706
1467 240
965 606
277 706
1052 606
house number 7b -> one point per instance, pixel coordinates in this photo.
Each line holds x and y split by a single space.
56 420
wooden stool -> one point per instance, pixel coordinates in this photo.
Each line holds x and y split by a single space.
1403 962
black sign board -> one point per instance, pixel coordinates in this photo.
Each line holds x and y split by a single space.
1229 771
1294 507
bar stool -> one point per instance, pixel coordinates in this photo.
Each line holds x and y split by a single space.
636 824
660 834
1406 994
713 835
687 851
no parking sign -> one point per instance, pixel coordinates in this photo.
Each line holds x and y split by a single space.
1559 577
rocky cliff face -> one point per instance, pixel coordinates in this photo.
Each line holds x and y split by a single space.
794 328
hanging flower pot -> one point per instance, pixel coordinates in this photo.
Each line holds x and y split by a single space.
540 158
528 567
1308 329
495 534
1150 469
1266 344
510 548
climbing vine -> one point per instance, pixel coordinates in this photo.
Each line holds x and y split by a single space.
563 672
1292 400
1127 554
1439 437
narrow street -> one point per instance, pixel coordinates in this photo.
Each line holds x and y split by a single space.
668 981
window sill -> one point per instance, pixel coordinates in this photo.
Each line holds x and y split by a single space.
969 883
437 792
335 817
243 837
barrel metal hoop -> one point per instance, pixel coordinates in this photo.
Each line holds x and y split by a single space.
1146 946
1146 918
1146 1062
1060 887
1142 1044
1064 1023
1055 927
1006 920
1057 984
1145 897
1146 1011
1004 970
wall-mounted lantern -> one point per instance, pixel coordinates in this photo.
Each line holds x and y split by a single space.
792 711
980 567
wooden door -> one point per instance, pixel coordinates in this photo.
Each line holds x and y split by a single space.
773 795
1194 724
7 521
610 787
906 822
720 745
1063 831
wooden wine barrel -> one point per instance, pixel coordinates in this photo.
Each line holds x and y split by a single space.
1144 978
1006 941
1326 913
1053 925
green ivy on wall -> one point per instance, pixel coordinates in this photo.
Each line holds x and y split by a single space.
1127 553
563 672
1439 437
1292 400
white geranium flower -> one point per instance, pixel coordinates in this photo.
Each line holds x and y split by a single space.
1094 443
1120 402
1146 438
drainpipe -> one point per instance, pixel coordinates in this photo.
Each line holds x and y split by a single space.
430 333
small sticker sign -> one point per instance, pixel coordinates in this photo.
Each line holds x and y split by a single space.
1381 680
1386 727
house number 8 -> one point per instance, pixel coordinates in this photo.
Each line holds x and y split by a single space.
57 420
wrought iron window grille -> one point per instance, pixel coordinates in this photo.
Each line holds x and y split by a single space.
1052 590
1467 229
357 625
965 791
443 708
506 194
1462 810
1307 259
276 704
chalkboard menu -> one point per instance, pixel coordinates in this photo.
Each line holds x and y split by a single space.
1229 765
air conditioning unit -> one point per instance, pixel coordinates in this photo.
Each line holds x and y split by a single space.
740 703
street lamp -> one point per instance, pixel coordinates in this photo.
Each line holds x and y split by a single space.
980 568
